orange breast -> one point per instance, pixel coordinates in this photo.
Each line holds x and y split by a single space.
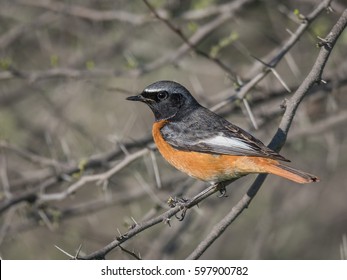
204 166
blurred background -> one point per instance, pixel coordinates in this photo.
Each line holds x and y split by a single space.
66 69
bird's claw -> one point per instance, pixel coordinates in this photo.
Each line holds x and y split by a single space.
183 206
222 192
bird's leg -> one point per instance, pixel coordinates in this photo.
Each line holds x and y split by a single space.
221 186
222 190
183 204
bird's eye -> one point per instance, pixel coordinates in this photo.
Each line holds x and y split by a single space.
162 95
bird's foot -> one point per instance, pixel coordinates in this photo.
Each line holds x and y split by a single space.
221 187
183 204
222 192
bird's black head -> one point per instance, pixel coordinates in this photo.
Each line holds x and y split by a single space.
167 99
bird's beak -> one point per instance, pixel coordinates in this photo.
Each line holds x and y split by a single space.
136 98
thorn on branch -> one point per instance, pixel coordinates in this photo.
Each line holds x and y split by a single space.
66 178
250 113
78 252
324 43
330 9
277 75
262 62
133 219
283 104
167 221
64 252
121 236
132 226
239 83
133 254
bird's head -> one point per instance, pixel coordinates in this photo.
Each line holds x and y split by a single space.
167 100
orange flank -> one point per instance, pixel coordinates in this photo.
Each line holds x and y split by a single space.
217 168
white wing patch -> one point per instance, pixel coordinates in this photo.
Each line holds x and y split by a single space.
226 142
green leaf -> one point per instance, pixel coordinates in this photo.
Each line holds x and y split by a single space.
5 63
201 4
131 60
192 26
54 60
81 168
299 15
90 65
224 42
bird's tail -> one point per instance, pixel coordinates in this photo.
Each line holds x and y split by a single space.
290 173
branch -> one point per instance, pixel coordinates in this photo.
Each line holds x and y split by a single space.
200 34
97 161
320 127
10 36
314 77
125 16
87 13
100 178
165 217
212 10
34 76
37 159
225 15
274 57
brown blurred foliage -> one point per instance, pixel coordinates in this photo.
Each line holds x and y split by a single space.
66 69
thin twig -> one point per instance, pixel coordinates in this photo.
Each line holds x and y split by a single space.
223 17
87 13
250 113
274 57
137 257
141 226
100 178
65 72
64 252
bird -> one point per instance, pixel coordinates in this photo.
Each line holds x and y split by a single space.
205 145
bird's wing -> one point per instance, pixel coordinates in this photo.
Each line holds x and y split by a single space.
210 133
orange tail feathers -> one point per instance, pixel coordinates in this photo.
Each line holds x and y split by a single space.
292 174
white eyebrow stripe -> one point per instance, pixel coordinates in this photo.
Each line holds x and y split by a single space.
152 90
226 142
